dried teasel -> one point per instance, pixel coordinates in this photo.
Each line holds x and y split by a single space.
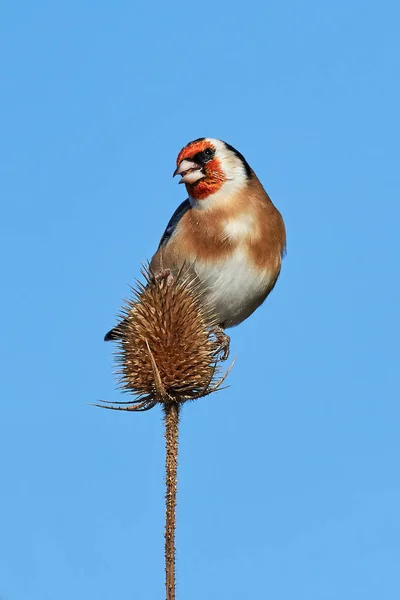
168 351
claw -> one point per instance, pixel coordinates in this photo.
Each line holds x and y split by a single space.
165 274
223 340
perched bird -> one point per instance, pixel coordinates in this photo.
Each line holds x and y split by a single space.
227 232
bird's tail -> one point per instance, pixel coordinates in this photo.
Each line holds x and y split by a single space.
116 333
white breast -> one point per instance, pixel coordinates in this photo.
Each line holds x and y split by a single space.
234 287
241 228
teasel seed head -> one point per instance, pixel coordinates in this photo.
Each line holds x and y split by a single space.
167 351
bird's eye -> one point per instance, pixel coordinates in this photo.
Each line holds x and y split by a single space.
204 156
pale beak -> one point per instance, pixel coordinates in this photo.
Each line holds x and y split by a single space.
190 171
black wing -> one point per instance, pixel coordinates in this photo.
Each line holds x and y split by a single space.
116 333
174 220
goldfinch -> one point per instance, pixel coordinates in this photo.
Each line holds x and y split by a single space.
227 232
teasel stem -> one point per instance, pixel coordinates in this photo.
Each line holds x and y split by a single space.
171 413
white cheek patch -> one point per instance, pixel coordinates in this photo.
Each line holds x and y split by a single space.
232 166
240 228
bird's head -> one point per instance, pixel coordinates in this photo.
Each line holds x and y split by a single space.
211 170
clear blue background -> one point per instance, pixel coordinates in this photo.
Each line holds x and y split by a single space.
289 484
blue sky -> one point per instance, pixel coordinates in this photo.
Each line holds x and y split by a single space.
289 481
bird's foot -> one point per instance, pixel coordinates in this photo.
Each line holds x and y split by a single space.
223 341
167 275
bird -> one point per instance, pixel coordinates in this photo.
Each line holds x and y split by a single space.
227 231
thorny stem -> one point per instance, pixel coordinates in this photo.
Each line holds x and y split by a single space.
171 411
